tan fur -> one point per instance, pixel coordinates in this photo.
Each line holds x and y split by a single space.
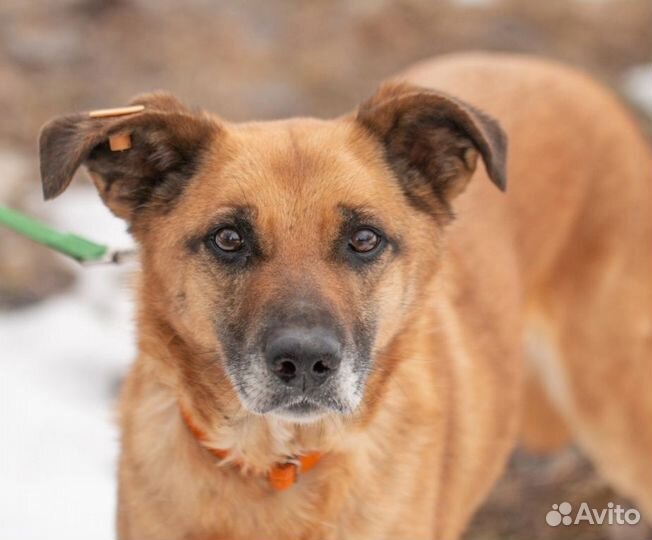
549 282
579 199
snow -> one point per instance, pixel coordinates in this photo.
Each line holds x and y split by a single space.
60 363
637 85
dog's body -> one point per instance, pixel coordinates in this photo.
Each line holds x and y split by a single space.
548 284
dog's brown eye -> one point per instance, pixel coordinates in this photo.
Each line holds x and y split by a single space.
228 239
364 240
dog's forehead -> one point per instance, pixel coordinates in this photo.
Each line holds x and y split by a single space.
300 155
292 166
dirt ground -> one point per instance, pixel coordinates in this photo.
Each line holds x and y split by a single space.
269 59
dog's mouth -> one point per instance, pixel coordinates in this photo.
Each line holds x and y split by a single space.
263 393
303 410
306 406
298 406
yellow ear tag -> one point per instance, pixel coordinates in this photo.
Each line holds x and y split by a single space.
118 142
118 111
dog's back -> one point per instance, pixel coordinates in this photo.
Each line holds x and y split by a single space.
296 301
577 211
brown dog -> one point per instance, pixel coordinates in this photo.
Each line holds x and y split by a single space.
334 340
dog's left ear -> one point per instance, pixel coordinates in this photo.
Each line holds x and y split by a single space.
432 140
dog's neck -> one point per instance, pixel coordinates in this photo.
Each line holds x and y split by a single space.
259 443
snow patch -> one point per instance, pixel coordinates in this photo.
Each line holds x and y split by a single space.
637 85
61 362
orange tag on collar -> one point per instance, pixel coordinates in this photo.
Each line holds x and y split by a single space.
285 475
282 476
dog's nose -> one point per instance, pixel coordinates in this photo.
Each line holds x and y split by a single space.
303 357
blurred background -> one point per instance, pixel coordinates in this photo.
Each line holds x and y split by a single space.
66 333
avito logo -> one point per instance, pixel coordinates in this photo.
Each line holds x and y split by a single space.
614 514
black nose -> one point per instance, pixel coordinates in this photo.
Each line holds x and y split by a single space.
303 357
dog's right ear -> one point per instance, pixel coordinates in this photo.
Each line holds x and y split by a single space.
166 142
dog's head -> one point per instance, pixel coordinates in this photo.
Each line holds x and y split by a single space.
281 257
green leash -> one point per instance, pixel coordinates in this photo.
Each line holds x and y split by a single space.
76 247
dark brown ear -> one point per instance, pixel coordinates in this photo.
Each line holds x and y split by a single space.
432 140
166 143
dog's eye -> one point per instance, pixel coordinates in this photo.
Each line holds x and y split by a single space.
228 239
364 240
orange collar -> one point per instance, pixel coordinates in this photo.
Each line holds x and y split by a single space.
281 476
